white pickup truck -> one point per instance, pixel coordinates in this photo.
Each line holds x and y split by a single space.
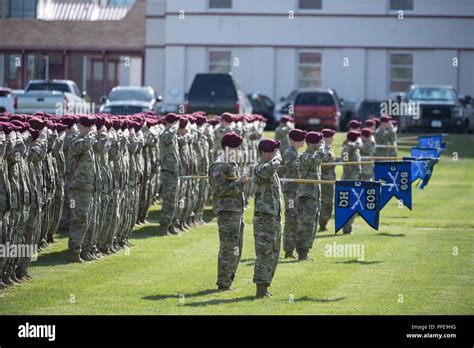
56 97
7 101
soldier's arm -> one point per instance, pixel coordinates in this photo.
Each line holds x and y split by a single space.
320 155
267 170
169 135
222 186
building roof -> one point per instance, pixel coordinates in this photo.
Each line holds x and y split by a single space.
77 35
81 12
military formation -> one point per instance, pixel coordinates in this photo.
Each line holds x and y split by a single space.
94 177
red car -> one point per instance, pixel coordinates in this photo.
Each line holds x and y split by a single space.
316 109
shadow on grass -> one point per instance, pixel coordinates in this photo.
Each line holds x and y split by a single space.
391 234
217 301
177 296
321 300
52 258
358 262
251 262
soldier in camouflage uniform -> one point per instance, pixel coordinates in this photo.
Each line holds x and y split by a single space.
5 130
290 191
367 149
282 131
81 186
309 198
228 204
351 153
225 127
267 215
327 173
170 172
385 135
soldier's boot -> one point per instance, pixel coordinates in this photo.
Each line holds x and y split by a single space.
76 258
322 228
225 288
15 278
289 255
262 291
303 255
172 230
105 250
186 224
193 219
163 230
50 239
201 218
189 222
179 226
2 285
86 256
347 230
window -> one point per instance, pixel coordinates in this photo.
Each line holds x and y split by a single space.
23 8
127 3
406 5
220 4
401 71
309 69
310 4
219 61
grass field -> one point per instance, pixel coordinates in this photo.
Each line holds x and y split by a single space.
418 262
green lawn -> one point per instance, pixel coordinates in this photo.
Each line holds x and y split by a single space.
418 262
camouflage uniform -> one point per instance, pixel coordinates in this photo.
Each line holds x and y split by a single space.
170 172
309 199
228 205
281 135
367 150
290 193
385 137
267 219
327 191
350 153
81 189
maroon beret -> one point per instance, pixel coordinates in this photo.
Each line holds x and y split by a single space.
183 122
268 145
34 133
37 123
135 125
285 119
200 120
328 133
23 126
60 127
87 121
5 126
366 132
313 137
100 121
108 122
232 140
227 117
369 123
384 119
297 135
354 124
117 124
151 121
353 135
214 121
18 118
171 118
69 121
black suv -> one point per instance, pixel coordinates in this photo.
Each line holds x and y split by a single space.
215 94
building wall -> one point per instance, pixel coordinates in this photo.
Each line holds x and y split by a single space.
266 42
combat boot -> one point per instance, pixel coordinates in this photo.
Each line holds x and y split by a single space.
322 228
2 285
303 256
289 255
347 230
225 288
179 226
85 256
75 257
163 230
172 230
15 278
262 291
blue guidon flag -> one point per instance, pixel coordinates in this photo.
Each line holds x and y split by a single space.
432 141
361 197
395 177
424 160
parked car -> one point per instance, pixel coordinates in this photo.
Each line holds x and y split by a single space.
367 109
7 101
129 100
54 97
281 108
216 93
440 108
315 108
263 105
